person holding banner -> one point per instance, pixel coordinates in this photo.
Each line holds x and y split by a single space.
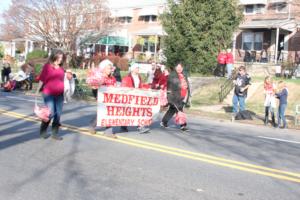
178 93
133 80
101 76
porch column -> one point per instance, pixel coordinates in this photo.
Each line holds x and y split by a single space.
45 46
276 46
155 50
26 48
13 49
30 46
106 46
234 44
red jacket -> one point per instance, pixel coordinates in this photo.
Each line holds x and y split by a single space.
222 58
229 58
128 81
163 81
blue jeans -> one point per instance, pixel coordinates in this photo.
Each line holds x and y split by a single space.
281 115
55 103
238 100
229 70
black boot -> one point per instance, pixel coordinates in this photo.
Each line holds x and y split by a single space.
266 121
43 130
55 127
273 120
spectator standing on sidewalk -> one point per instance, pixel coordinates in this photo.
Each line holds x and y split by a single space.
282 95
270 104
229 63
52 86
242 83
178 93
221 64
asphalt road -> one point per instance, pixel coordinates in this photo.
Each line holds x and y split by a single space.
215 161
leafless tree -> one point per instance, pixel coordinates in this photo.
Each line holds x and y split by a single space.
57 22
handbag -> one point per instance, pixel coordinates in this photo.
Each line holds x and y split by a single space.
42 112
163 97
94 78
180 117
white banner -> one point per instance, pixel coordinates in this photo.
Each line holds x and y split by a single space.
120 106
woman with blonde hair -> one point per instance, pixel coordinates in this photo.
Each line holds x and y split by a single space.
270 105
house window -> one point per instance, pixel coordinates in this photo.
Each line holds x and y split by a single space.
124 20
249 9
148 18
252 41
259 8
148 46
281 7
254 9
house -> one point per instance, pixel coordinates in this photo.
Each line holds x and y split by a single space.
270 31
137 32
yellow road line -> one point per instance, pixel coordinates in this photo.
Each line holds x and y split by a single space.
279 174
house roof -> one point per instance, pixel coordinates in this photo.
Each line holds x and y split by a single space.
151 31
251 2
122 13
288 25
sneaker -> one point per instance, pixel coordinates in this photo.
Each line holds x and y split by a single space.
56 137
124 129
163 125
44 135
232 117
111 135
184 129
142 130
92 130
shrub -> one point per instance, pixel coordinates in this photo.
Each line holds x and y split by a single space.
36 54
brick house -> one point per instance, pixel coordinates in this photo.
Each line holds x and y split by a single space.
138 31
270 31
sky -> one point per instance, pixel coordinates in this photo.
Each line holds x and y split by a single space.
4 4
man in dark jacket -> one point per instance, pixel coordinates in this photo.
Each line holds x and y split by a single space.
178 93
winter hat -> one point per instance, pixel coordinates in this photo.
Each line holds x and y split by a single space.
134 66
104 63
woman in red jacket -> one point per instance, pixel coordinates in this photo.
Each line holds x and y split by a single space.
105 68
229 63
221 63
156 78
133 80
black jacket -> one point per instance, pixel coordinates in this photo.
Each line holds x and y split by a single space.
174 88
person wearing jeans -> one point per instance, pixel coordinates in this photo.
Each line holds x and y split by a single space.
52 86
282 96
242 83
229 63
238 103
